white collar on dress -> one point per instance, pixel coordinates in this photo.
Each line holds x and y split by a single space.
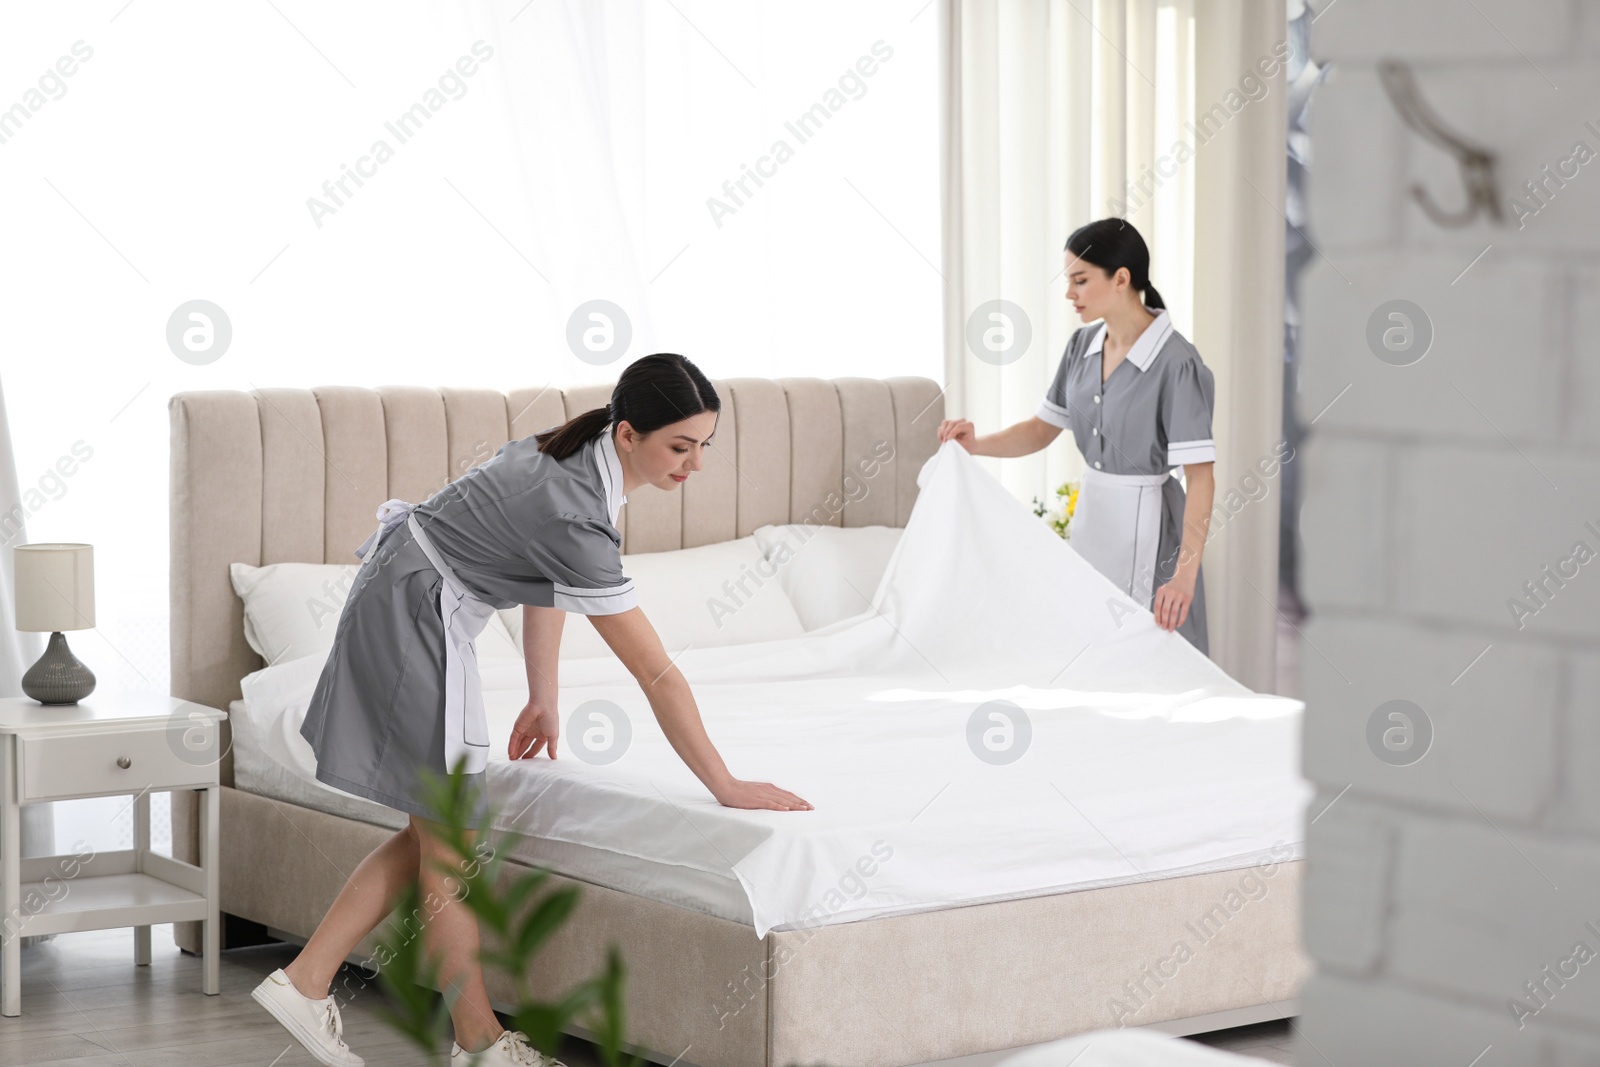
610 468
1144 350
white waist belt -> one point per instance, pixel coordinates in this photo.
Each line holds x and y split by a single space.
1122 535
466 727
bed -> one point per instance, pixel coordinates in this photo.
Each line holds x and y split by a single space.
727 965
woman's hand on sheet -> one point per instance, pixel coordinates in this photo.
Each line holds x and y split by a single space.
537 727
765 795
1172 602
959 430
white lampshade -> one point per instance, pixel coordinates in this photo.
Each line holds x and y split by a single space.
55 587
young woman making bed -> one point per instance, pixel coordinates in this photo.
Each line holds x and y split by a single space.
1138 401
535 525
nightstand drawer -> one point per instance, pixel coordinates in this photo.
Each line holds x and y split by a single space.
84 763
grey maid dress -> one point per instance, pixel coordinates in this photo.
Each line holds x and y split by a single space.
1153 414
522 528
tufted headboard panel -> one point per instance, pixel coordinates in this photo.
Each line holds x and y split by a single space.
280 475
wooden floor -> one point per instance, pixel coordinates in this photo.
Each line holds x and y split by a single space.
85 1004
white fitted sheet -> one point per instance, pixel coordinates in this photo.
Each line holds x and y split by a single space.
254 771
1145 759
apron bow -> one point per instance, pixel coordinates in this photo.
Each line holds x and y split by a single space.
391 513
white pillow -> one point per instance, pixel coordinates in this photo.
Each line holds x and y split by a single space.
829 572
292 609
721 594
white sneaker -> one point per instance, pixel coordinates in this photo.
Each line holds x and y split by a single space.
313 1023
511 1050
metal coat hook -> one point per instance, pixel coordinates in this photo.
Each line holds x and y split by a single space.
1477 164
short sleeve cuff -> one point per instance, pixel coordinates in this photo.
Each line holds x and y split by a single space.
609 600
1055 416
1182 452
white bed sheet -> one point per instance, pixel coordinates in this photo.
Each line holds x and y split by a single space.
254 771
1145 759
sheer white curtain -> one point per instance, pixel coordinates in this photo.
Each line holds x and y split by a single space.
229 152
18 650
1058 112
1239 311
753 184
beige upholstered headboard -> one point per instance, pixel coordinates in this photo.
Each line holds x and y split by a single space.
280 475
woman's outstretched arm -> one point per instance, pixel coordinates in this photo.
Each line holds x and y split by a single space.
637 645
1019 439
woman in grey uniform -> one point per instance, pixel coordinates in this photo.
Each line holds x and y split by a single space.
1138 400
535 525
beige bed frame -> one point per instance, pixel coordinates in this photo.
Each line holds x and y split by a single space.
295 475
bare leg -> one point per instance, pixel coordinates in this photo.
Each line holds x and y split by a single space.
369 895
451 938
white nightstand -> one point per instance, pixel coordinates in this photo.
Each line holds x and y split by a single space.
112 743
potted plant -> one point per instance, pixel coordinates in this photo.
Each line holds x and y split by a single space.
517 912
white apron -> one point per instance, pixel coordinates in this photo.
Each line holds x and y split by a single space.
1117 528
466 727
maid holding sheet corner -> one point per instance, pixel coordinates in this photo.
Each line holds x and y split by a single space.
1138 400
534 525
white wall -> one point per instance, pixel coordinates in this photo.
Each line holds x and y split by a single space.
1440 886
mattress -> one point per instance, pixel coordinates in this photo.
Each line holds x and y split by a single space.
998 722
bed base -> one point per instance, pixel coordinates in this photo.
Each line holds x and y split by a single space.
889 992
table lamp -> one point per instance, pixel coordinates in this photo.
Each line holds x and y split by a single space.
55 592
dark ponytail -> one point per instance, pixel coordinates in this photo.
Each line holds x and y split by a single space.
1111 244
653 391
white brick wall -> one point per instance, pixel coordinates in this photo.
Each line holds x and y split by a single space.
1494 721
1490 370
1442 891
1442 30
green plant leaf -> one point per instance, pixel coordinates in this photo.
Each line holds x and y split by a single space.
550 913
410 974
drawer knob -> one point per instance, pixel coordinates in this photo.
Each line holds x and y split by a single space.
124 762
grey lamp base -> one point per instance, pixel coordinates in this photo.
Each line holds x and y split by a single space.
59 677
